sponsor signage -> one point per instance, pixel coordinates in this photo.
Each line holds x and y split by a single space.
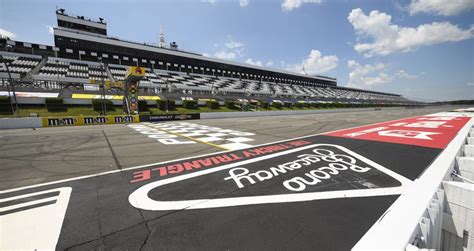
113 97
168 117
134 71
311 172
126 119
62 121
95 120
427 131
89 120
212 161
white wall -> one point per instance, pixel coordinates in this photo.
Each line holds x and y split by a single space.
458 223
9 123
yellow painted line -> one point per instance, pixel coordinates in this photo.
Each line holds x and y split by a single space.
191 138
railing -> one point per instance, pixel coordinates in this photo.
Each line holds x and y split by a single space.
67 14
415 219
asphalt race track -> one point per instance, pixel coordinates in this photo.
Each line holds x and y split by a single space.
283 182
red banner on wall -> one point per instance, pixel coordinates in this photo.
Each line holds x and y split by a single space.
427 131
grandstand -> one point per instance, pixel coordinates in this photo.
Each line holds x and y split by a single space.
84 57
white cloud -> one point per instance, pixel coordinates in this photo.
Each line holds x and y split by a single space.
209 1
50 29
5 33
315 63
440 7
243 3
405 75
233 45
251 62
231 50
228 55
366 76
389 38
289 5
470 84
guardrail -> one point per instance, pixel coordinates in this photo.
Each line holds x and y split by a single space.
415 219
62 121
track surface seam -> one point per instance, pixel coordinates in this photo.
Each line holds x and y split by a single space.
114 156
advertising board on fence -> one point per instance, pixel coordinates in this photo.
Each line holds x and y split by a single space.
168 117
89 120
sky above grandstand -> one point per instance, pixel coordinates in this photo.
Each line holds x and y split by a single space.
422 49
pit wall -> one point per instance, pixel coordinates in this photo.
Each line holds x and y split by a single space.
61 121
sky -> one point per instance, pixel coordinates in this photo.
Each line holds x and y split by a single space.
421 49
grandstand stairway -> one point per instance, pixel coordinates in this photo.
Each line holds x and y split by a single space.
109 74
35 71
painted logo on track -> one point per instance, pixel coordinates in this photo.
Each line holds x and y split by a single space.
182 133
427 131
311 172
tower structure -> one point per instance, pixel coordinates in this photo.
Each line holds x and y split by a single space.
302 67
162 37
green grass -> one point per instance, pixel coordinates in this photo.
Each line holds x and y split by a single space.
88 111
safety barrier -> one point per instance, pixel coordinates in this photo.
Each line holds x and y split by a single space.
415 220
62 121
11 123
168 117
88 120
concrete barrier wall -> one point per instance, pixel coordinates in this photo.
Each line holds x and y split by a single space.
10 123
218 115
399 230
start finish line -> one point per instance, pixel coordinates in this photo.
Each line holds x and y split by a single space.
257 198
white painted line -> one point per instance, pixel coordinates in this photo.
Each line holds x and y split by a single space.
139 198
240 139
25 204
236 146
210 139
35 228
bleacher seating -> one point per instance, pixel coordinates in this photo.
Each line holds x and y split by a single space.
158 81
19 63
